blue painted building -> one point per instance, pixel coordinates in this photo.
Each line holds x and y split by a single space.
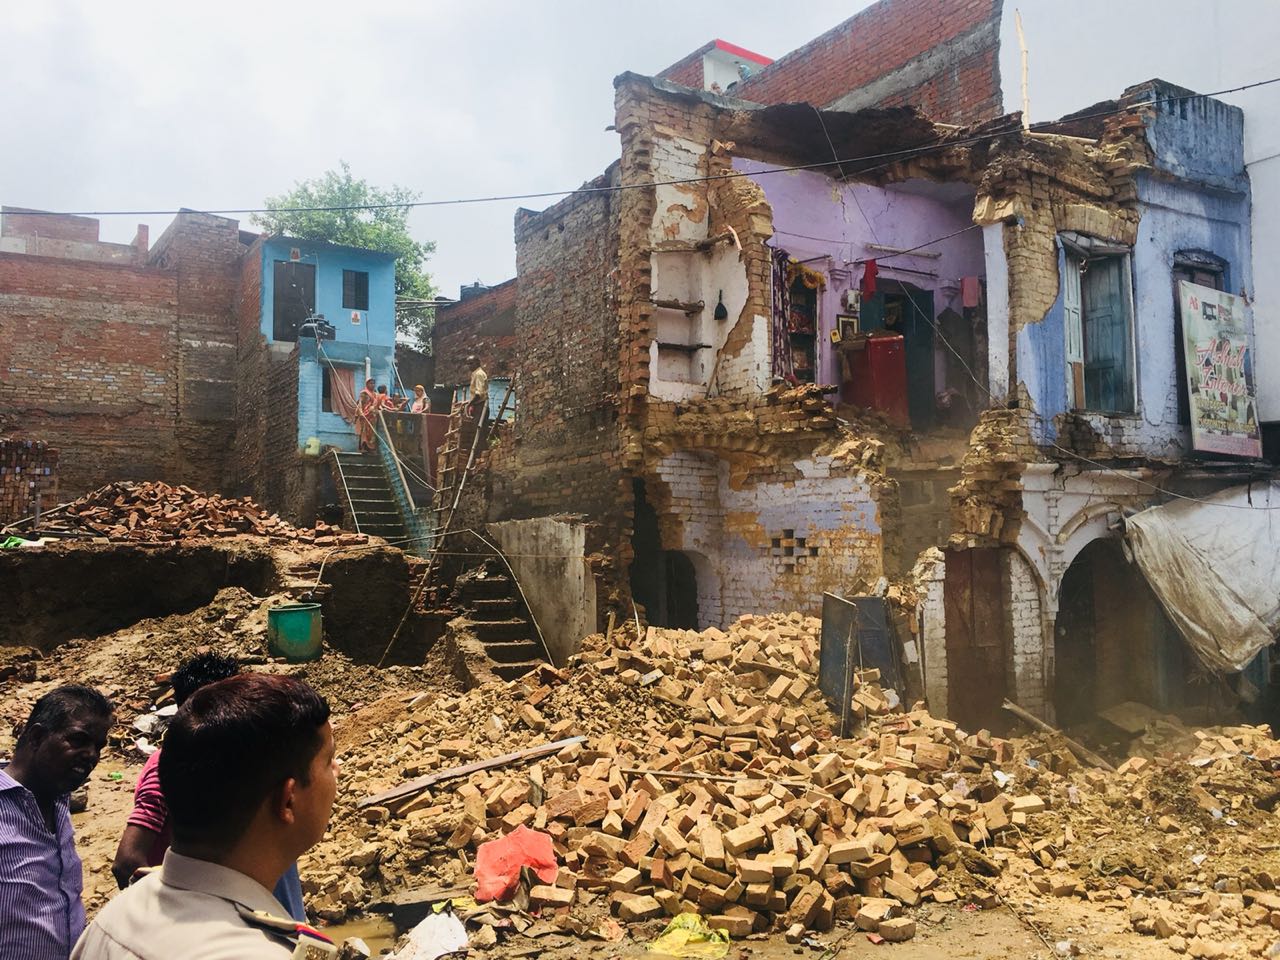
1116 319
354 291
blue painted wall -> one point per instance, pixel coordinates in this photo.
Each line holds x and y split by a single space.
1197 200
373 337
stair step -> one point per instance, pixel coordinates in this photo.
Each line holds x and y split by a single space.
515 652
499 630
514 671
491 588
493 609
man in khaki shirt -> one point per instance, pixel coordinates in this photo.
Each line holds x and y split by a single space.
249 774
479 405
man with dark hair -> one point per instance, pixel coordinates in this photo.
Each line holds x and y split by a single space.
41 913
147 834
249 774
478 405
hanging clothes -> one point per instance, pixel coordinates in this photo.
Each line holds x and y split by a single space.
782 367
342 391
869 271
970 291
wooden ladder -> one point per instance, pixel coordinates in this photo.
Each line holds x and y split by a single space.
448 493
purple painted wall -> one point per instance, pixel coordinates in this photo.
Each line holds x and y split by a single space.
814 215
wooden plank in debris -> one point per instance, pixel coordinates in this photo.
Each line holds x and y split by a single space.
422 783
1079 749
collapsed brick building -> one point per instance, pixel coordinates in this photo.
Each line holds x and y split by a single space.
195 360
694 446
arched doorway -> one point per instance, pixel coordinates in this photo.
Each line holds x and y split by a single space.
1112 640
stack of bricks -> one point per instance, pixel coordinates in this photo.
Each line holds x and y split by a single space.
28 470
747 810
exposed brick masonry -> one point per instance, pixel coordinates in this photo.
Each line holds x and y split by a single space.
888 37
125 367
483 325
28 475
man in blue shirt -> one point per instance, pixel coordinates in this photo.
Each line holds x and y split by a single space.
41 912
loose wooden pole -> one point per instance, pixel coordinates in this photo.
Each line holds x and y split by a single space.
1079 749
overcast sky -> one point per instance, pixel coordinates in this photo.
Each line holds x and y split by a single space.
130 105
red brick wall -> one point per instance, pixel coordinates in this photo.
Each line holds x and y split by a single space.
103 360
28 473
251 379
17 223
563 455
892 36
688 71
483 325
204 252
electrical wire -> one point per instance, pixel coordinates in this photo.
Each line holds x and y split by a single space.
892 156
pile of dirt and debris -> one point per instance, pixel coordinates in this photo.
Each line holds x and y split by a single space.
133 666
154 512
710 781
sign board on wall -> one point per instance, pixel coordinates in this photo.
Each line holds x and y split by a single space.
1221 388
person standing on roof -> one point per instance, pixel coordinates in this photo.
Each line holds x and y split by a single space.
478 408
41 878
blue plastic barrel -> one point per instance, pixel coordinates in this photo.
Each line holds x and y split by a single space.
295 631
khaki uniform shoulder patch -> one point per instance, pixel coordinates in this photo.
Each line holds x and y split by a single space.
309 943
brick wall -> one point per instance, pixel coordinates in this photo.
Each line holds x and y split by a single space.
941 55
123 366
688 70
1028 634
28 476
87 352
267 464
768 535
563 453
484 325
26 223
204 253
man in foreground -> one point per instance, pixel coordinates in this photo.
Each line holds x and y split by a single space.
147 833
249 775
41 913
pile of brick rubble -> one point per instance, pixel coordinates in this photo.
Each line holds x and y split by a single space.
711 782
154 512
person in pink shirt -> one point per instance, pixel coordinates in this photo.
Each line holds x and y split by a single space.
147 833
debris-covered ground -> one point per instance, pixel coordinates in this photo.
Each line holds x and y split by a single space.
711 781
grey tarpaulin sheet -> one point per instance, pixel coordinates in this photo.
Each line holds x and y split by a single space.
1215 566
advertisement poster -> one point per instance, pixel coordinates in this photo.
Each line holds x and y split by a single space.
1220 376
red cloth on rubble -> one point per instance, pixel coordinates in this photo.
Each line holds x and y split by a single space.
498 862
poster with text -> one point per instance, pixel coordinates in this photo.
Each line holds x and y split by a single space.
1220 379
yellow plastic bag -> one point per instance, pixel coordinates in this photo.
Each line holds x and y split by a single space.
689 936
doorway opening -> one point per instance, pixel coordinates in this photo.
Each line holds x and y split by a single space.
664 582
1113 642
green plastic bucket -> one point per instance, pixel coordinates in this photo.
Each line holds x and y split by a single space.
294 631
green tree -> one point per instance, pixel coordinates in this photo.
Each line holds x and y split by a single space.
375 219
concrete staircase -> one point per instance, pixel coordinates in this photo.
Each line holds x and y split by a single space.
370 500
496 617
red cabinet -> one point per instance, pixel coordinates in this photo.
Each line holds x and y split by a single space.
876 376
